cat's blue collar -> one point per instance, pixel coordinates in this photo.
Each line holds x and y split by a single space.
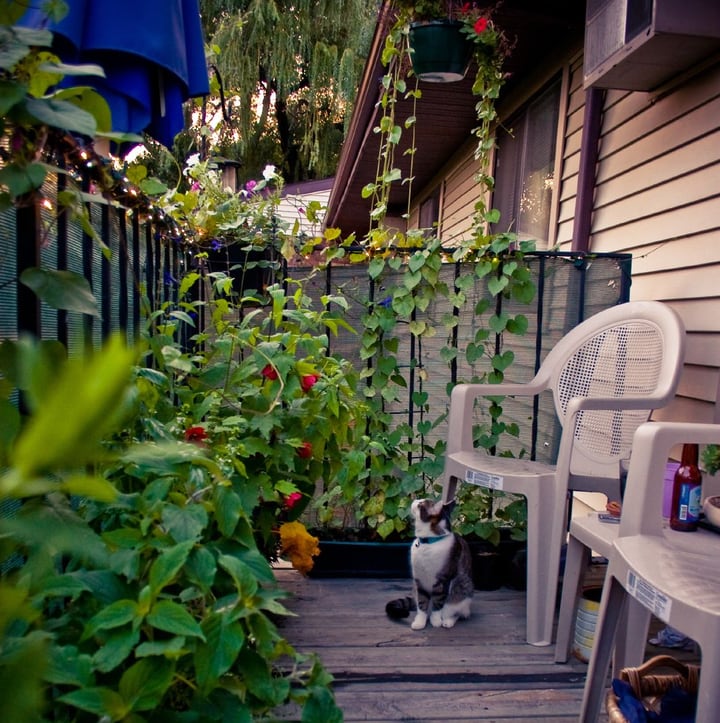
428 540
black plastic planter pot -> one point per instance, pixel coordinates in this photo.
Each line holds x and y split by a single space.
493 567
440 52
362 559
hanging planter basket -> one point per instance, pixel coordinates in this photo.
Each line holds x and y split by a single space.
440 52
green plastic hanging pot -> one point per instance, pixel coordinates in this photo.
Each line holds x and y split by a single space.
440 51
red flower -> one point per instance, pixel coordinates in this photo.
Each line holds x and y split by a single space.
308 381
480 25
305 450
196 434
292 499
466 8
269 372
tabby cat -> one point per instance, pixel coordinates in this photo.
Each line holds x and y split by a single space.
441 569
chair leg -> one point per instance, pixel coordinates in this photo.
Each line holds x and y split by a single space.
708 702
543 566
576 561
449 485
611 609
632 636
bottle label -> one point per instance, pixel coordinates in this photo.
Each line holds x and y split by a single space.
689 502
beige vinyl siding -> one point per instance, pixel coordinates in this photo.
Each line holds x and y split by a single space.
459 195
571 156
657 196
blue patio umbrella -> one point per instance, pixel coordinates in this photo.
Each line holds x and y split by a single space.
152 53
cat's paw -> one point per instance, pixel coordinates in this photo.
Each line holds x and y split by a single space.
419 622
449 622
436 619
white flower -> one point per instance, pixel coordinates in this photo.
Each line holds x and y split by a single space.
269 172
192 160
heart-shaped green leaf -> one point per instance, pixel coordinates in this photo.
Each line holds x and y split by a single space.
497 285
498 323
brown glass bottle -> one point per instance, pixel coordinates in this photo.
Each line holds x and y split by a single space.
687 491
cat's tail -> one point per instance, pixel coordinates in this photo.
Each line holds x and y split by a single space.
400 608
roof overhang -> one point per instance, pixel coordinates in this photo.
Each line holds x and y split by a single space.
445 114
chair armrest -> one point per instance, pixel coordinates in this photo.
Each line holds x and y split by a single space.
462 400
580 404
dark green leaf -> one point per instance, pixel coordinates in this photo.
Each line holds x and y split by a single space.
11 93
116 648
143 685
215 657
61 289
173 618
62 114
185 523
167 565
100 701
113 616
21 179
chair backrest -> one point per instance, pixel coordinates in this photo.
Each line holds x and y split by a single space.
631 351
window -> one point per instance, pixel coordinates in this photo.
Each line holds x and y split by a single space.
525 168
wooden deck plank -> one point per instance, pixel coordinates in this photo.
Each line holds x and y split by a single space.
480 670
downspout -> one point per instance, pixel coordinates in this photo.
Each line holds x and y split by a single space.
589 150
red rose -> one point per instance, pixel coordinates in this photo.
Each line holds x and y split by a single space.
292 499
308 381
269 372
196 435
305 450
480 25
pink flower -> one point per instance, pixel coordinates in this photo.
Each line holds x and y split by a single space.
292 499
269 372
197 435
308 381
305 450
250 186
195 186
480 26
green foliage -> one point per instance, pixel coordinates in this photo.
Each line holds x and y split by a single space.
290 72
495 258
140 580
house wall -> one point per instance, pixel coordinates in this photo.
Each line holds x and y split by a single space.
657 197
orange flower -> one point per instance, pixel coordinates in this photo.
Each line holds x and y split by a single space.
297 544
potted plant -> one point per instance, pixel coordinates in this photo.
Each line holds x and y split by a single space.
444 35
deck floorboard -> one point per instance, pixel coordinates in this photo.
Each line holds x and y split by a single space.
480 670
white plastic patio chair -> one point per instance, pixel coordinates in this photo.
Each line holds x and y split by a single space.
588 534
606 376
674 575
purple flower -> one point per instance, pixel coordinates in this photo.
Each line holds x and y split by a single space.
250 186
385 302
215 245
169 279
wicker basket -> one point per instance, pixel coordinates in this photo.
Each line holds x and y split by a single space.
650 686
